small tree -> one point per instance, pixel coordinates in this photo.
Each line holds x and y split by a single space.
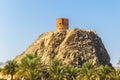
56 70
115 75
71 72
104 72
88 71
30 68
10 68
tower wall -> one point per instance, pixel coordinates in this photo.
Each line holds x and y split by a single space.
62 24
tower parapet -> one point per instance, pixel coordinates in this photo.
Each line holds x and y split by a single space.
62 24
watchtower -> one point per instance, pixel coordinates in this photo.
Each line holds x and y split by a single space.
62 24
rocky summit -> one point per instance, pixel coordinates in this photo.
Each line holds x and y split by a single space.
72 47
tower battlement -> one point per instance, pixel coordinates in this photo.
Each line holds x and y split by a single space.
62 23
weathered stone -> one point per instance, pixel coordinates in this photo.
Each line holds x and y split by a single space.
72 47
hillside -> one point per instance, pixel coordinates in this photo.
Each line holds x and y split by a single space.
72 47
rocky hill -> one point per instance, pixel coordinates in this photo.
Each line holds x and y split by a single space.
72 47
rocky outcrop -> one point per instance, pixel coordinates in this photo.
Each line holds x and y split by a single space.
72 47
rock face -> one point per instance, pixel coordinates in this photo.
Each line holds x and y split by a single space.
72 47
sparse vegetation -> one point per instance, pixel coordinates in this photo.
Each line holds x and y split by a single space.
31 68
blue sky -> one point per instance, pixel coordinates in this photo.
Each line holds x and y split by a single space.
22 21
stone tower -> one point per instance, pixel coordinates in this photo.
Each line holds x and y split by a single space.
62 24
